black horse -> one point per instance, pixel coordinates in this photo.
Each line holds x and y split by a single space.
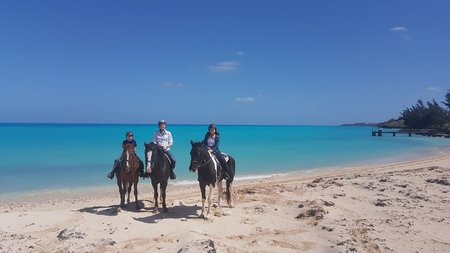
209 174
158 165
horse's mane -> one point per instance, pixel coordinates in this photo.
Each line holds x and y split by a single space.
129 147
198 144
159 150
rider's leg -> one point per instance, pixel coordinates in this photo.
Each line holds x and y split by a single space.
225 171
114 169
141 167
172 164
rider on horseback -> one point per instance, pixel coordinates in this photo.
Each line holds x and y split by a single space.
128 141
164 139
211 142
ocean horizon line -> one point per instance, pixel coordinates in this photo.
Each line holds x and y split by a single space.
146 124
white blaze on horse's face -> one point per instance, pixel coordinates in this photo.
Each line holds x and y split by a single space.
149 159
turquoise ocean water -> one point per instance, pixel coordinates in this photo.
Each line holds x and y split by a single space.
41 157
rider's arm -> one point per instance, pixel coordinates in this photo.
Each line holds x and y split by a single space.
216 144
170 141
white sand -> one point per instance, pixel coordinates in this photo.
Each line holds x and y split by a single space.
402 207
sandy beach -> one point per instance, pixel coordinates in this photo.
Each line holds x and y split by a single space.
401 207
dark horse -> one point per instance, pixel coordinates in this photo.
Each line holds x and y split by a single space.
209 174
159 171
128 175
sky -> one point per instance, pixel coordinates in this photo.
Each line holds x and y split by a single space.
297 62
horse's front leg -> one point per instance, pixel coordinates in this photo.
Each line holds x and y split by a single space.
121 193
129 191
136 195
203 192
155 196
219 191
163 195
210 194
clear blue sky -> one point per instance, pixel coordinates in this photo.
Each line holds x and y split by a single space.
228 62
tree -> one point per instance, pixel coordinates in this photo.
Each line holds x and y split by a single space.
447 99
426 116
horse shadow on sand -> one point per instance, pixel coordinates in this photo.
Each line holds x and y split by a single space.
111 210
175 212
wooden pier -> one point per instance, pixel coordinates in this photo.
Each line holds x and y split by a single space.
410 132
380 133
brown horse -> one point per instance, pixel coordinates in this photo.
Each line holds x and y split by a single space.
128 175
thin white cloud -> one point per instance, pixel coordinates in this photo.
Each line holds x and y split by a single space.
245 100
171 85
240 53
398 29
225 66
433 88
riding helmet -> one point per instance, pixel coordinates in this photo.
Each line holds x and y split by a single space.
129 134
211 126
162 122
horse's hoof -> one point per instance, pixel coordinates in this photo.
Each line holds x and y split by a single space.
201 216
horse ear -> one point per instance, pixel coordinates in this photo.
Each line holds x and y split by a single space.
192 143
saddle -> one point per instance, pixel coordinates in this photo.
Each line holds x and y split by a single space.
225 156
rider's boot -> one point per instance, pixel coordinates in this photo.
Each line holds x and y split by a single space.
172 174
114 169
141 169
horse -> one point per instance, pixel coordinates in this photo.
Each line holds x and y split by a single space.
209 174
158 165
128 175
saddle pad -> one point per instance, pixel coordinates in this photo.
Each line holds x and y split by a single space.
227 158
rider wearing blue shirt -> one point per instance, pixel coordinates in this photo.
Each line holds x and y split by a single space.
211 142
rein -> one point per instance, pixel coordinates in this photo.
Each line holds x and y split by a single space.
201 165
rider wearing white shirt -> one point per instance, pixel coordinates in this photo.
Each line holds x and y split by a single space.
164 139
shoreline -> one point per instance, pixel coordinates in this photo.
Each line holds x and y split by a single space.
396 207
418 155
111 189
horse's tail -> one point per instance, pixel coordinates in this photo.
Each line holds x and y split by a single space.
229 183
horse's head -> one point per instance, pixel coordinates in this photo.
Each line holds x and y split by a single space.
199 156
153 151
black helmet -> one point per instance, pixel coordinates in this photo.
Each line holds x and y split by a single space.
162 122
129 134
211 126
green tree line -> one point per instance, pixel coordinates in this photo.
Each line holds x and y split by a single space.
425 115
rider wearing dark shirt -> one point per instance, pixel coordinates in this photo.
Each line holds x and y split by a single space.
211 142
128 141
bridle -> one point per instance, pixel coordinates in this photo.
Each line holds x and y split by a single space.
199 164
